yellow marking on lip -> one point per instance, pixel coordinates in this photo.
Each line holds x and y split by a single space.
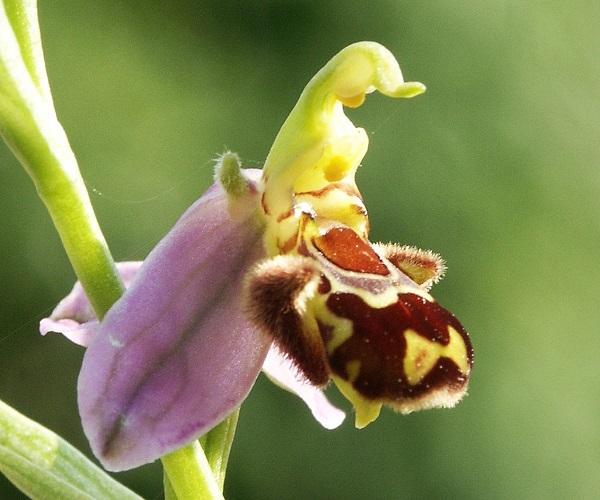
353 370
366 411
343 329
422 354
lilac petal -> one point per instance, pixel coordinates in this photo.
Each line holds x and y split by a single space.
281 371
78 333
74 316
175 355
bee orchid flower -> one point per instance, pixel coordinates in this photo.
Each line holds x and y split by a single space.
271 265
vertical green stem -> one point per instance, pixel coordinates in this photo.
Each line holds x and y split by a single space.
29 126
23 19
190 475
168 487
217 446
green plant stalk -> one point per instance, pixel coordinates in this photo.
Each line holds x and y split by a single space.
190 474
217 446
23 18
29 126
31 129
168 487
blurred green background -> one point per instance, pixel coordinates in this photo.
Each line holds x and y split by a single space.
496 167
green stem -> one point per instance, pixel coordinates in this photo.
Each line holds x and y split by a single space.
29 126
190 474
168 487
23 18
217 446
180 466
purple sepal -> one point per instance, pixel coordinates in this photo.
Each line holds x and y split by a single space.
74 316
74 319
175 355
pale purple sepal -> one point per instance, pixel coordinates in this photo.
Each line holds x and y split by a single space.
281 371
74 316
175 355
75 319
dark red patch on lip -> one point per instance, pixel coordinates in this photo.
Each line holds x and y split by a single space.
344 248
334 186
263 204
378 343
324 285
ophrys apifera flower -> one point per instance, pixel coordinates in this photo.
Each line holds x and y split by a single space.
278 258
